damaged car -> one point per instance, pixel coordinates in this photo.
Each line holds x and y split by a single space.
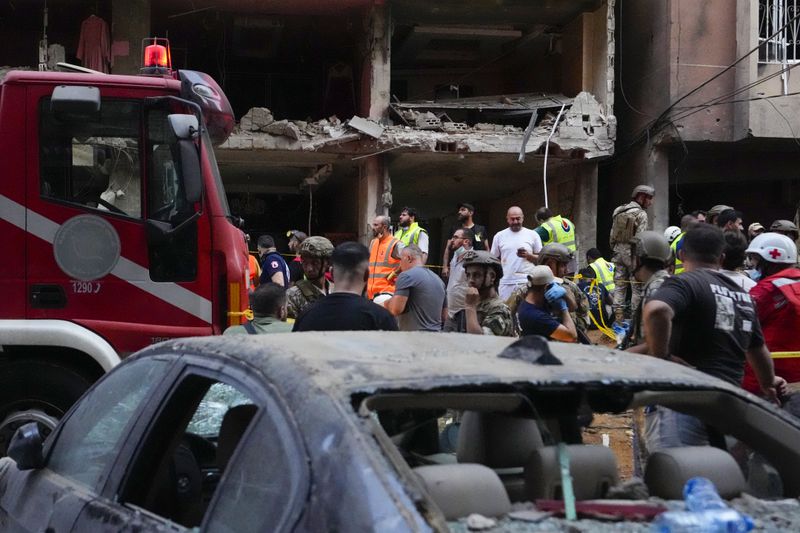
379 431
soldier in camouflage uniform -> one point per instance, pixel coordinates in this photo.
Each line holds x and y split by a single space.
315 253
628 221
484 312
650 256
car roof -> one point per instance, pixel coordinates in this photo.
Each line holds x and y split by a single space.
80 78
366 361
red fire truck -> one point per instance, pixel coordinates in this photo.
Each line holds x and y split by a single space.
115 232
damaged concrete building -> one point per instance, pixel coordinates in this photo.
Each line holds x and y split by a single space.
709 108
352 108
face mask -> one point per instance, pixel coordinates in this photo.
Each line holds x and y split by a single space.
458 253
755 275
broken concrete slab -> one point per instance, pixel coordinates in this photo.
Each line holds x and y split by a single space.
369 127
455 127
284 128
428 121
256 119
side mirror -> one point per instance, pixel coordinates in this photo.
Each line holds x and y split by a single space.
26 447
185 127
75 101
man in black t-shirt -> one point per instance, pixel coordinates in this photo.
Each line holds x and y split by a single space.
345 308
480 240
703 319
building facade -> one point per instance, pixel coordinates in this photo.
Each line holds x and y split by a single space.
352 108
709 110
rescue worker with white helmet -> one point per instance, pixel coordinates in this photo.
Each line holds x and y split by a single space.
671 233
777 299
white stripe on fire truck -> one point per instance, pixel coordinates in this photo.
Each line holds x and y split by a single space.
125 269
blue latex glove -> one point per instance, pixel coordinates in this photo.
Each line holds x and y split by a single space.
554 293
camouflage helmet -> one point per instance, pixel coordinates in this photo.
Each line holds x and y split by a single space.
784 226
651 245
316 247
480 257
643 189
556 251
717 209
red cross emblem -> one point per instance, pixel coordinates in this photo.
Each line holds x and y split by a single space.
775 253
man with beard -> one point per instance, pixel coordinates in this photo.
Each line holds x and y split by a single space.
484 312
419 300
315 253
466 212
410 232
461 243
384 259
296 238
516 247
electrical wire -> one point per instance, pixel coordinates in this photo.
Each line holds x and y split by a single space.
621 86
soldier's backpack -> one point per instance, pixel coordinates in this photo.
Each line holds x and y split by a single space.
623 224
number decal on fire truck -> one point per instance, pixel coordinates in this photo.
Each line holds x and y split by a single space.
85 287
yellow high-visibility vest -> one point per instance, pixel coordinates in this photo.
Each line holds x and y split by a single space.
678 263
604 271
562 231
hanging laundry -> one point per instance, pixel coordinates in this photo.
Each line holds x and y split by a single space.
94 45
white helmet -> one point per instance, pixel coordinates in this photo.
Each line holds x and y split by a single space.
671 233
774 248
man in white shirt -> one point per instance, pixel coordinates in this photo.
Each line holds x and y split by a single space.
517 247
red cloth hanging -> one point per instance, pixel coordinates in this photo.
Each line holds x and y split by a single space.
94 45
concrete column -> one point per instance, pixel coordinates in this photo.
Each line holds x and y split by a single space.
376 77
585 216
130 23
374 194
657 175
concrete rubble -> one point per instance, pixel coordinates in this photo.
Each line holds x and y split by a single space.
584 131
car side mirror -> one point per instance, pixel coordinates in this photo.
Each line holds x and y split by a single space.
26 447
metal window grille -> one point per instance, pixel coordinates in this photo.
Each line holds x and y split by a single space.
778 44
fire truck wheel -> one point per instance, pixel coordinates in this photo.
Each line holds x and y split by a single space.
36 391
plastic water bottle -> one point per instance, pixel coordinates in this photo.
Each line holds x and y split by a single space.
712 521
620 331
700 494
707 513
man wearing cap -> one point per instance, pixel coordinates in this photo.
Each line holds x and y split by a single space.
714 212
628 221
777 299
557 258
754 230
484 312
785 227
480 239
545 296
315 253
555 228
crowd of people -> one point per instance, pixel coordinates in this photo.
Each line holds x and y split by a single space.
708 293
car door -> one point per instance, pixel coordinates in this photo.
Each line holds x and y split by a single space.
82 451
201 460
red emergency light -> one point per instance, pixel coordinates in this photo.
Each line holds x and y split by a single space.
156 57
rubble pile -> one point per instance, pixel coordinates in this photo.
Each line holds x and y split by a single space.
768 515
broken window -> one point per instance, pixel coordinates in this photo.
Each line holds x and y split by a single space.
88 444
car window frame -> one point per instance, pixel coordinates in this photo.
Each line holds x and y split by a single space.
141 413
264 395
